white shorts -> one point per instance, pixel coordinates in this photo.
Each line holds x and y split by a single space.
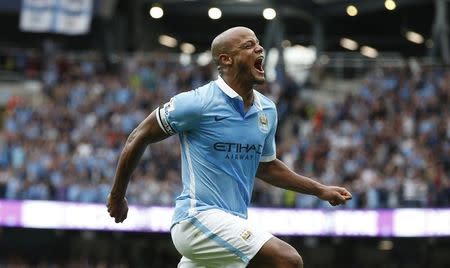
215 238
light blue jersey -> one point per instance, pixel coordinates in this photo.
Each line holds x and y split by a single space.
221 146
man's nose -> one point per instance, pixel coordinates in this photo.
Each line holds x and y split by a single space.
259 48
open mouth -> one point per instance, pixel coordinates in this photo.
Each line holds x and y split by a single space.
259 64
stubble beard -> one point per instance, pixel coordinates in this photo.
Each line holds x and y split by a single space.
247 72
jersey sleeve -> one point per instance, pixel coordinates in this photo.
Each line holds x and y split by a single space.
269 152
181 113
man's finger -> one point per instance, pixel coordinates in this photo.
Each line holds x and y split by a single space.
113 213
124 215
346 194
118 218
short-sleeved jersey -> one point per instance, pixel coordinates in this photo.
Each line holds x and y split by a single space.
221 146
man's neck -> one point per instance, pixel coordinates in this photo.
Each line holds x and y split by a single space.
245 90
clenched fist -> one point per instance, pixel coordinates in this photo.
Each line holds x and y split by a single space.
117 208
335 195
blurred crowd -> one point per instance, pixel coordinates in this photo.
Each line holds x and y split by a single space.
389 143
26 62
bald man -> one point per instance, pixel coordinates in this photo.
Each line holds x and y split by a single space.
227 138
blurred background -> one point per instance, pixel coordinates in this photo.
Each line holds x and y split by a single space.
363 95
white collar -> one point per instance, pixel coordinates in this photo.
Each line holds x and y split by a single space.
233 94
227 89
256 100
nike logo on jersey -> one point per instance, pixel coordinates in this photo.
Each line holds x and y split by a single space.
220 118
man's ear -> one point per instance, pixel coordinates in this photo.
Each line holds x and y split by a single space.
225 59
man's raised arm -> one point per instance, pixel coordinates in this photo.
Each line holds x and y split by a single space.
148 131
278 174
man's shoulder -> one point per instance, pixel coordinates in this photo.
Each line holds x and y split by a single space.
266 102
197 95
205 91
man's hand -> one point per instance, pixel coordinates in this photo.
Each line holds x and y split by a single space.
335 195
117 208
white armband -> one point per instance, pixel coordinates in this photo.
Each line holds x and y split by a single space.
161 116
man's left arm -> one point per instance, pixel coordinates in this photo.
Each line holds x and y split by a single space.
278 174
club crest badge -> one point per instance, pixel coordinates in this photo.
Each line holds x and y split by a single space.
246 235
263 123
